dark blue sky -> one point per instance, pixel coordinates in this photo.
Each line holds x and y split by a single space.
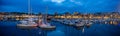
83 6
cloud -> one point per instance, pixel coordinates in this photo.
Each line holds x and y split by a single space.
45 0
71 0
58 1
76 2
55 1
60 5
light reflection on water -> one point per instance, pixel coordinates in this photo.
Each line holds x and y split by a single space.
8 28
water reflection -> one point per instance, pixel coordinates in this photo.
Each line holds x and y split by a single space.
8 28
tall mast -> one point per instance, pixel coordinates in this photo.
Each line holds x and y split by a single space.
118 9
46 13
29 8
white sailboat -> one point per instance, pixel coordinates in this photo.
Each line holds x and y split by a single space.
43 24
81 24
69 22
27 23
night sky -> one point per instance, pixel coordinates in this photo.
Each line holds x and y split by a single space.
61 6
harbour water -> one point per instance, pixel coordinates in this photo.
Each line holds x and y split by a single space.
8 28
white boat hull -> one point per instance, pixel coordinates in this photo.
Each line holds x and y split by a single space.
47 27
28 26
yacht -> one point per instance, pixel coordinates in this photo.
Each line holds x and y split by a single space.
43 24
27 23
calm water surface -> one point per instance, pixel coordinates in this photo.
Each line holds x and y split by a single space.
8 28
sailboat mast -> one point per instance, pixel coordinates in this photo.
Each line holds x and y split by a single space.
46 13
29 8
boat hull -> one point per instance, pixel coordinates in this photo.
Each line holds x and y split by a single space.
23 26
79 26
47 27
